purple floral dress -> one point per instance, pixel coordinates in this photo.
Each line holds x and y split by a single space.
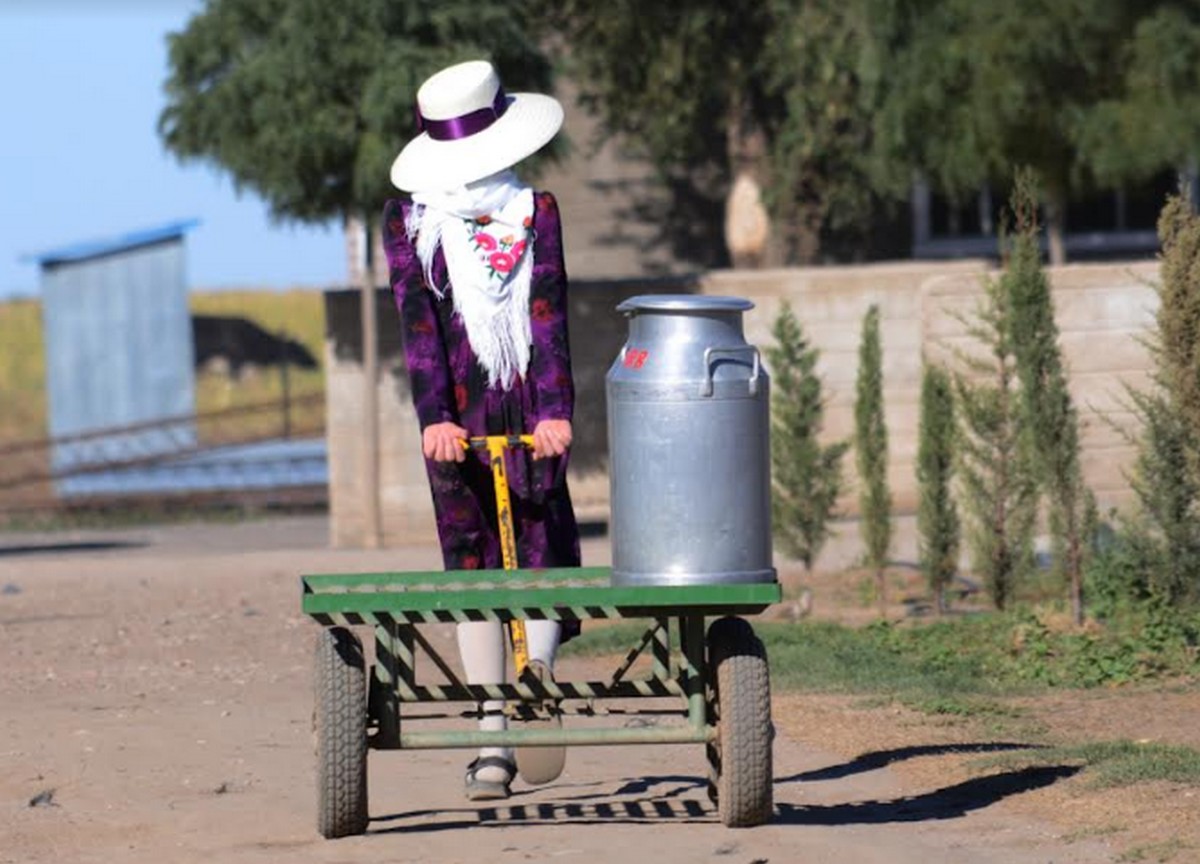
448 384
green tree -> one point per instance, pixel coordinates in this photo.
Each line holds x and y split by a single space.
1151 119
1166 475
995 470
806 477
1047 406
1085 92
1167 529
1177 322
306 103
775 94
937 516
870 445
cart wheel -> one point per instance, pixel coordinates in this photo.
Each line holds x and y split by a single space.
340 724
741 759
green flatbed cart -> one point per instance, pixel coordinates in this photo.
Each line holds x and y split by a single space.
718 678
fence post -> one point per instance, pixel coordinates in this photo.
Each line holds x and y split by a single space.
285 384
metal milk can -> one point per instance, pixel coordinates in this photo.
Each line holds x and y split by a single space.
689 449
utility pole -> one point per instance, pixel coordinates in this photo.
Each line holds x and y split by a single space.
372 521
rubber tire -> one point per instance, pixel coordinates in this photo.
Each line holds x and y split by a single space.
742 704
340 728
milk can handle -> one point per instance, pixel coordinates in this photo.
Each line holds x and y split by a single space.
706 389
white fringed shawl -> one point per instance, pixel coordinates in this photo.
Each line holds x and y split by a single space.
484 231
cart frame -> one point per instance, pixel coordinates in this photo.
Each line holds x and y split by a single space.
394 604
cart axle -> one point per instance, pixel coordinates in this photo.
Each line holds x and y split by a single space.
555 737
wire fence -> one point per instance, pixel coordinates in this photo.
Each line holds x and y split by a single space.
31 471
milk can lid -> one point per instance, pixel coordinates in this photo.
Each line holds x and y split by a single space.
684 303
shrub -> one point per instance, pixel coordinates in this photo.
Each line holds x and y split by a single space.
937 516
1047 406
870 444
806 477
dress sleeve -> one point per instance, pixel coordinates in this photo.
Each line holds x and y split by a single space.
420 326
550 357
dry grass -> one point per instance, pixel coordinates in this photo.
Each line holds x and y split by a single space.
299 315
22 372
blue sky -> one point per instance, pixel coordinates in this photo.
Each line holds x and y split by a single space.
80 158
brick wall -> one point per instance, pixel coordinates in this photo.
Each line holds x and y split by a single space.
1102 311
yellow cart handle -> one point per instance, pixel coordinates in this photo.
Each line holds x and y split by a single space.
495 445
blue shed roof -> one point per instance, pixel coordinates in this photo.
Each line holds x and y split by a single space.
112 245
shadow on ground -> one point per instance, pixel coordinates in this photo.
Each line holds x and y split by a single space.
950 802
882 758
66 547
662 800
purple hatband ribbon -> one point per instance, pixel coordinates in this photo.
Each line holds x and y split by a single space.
465 125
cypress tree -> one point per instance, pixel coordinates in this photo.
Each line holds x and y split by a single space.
937 515
806 477
1046 402
1168 498
870 444
995 473
1166 474
1176 340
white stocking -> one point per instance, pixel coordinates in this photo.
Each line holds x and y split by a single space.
481 645
542 639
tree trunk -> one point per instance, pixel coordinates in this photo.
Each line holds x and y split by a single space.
372 518
750 235
804 237
1055 228
881 592
1076 591
747 224
1075 573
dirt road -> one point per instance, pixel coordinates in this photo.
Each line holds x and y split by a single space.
156 689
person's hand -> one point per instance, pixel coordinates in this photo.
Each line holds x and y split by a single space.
442 442
551 438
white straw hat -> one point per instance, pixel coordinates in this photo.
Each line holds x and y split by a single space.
471 128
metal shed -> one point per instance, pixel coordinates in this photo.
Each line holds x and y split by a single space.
118 348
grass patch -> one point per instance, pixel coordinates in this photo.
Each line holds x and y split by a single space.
1094 832
827 657
603 640
1158 852
953 706
878 659
958 667
1111 763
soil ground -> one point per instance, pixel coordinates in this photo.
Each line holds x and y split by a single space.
156 704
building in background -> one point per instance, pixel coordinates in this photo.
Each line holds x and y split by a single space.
1103 224
121 357
118 350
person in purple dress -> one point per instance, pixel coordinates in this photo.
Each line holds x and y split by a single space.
476 265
